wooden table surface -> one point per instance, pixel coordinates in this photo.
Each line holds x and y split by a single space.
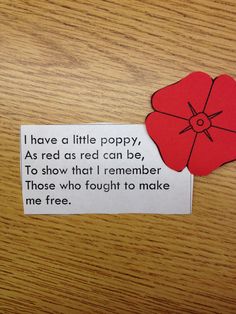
73 62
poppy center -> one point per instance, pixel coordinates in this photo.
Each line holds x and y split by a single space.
200 122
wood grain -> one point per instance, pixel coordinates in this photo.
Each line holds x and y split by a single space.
99 61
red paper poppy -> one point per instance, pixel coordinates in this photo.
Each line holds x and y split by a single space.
194 123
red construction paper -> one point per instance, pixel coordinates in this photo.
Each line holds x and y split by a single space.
194 123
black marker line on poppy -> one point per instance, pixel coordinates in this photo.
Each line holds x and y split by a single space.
224 129
208 96
191 151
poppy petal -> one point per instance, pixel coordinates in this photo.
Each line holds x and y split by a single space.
179 99
208 155
174 147
221 106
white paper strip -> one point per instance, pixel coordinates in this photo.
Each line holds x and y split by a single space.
98 168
